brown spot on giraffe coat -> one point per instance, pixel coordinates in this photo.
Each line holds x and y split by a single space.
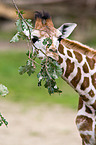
94 105
79 47
86 123
95 132
69 53
69 68
86 138
61 49
60 60
85 83
94 80
77 78
88 110
78 56
80 105
62 70
91 62
84 98
91 93
85 68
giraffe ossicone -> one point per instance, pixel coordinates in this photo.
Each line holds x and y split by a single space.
78 63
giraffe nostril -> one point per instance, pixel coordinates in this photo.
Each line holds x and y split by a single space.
53 50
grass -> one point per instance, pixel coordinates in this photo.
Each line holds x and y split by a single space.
24 89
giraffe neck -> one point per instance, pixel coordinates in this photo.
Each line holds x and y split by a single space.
79 70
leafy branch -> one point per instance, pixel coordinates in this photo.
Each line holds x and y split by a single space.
3 120
3 92
50 69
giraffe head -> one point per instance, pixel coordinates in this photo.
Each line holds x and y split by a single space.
44 28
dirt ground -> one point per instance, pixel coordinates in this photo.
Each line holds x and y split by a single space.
38 125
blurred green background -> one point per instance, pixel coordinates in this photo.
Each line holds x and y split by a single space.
24 89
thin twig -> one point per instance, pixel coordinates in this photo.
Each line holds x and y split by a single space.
47 70
38 49
23 19
32 44
34 61
20 13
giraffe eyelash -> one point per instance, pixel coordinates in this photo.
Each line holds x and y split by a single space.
60 38
34 39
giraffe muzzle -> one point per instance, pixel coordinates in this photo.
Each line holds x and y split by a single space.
52 52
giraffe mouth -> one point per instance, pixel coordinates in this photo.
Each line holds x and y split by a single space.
53 55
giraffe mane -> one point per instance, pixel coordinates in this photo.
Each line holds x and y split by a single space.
42 15
75 45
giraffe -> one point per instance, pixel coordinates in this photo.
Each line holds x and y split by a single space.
78 63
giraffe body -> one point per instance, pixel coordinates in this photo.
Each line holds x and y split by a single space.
73 64
78 63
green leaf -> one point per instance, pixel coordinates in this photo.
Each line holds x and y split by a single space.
22 12
29 68
19 26
50 70
47 42
27 53
3 90
50 90
22 70
23 36
15 38
50 41
44 42
39 83
19 14
24 25
29 22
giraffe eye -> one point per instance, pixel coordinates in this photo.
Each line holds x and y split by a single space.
34 39
60 38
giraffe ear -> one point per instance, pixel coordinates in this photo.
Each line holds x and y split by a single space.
66 29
